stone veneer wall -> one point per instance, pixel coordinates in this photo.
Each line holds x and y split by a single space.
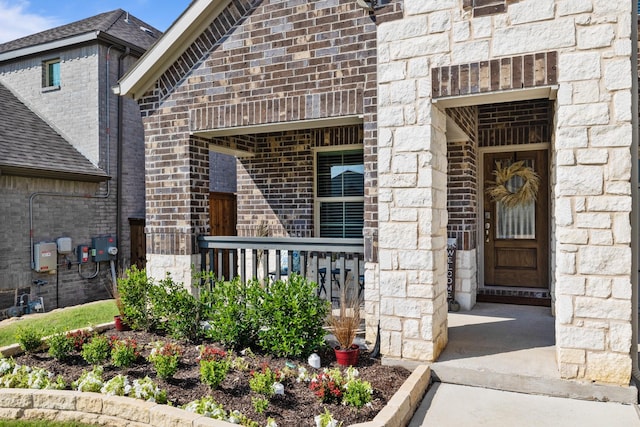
591 154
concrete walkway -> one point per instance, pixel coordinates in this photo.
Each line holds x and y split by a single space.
499 369
463 406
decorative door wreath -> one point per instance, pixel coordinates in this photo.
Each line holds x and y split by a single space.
527 193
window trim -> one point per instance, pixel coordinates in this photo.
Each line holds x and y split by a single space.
318 200
46 74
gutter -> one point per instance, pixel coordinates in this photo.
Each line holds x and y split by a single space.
67 42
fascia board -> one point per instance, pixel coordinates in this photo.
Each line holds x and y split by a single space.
137 81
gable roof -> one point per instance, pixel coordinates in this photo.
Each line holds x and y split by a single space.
30 147
182 33
115 26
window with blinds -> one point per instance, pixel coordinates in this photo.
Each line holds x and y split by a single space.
340 193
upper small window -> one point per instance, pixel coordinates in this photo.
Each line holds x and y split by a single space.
51 73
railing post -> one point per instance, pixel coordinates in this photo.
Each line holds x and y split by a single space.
220 274
254 263
265 267
243 265
342 276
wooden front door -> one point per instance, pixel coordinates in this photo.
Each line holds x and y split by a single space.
516 239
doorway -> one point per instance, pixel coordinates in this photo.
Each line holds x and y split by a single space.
516 219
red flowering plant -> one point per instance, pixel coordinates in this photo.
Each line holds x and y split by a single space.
209 353
328 385
80 338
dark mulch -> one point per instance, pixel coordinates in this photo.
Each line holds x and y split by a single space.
296 408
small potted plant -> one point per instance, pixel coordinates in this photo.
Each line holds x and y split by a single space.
344 322
118 319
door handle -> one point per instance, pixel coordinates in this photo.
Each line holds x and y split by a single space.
487 231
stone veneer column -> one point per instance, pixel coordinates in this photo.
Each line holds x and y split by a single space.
592 210
412 166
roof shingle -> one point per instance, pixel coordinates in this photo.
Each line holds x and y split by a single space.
117 23
30 147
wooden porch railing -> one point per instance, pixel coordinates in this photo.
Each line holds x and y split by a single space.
325 261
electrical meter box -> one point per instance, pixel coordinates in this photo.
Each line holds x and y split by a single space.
103 248
65 247
45 256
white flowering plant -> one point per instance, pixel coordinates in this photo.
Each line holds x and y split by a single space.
117 386
89 380
146 389
208 407
22 376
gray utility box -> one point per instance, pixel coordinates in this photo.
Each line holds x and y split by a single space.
45 257
100 248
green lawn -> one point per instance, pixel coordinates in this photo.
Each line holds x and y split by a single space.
61 320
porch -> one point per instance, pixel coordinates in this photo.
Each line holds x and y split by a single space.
512 348
331 263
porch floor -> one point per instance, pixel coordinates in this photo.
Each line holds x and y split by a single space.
512 348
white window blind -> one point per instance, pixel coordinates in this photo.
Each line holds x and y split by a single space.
340 193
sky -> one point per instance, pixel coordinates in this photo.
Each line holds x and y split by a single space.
19 18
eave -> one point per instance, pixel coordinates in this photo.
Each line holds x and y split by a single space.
52 174
187 28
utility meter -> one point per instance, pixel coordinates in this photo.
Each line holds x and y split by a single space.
103 248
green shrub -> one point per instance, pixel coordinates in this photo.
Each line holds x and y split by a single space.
29 338
165 359
260 404
357 393
262 381
97 350
179 310
231 313
213 372
124 352
292 318
134 290
61 345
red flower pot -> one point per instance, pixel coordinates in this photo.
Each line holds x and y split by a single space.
120 324
349 356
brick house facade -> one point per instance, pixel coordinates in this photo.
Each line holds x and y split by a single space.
47 192
440 95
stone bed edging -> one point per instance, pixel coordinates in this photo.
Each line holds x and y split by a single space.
104 410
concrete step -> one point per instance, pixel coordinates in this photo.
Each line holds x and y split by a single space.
522 383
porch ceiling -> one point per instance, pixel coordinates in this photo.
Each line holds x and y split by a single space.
548 92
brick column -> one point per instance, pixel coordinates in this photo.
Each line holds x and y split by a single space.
177 211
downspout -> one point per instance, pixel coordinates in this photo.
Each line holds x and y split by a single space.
107 164
120 144
635 372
